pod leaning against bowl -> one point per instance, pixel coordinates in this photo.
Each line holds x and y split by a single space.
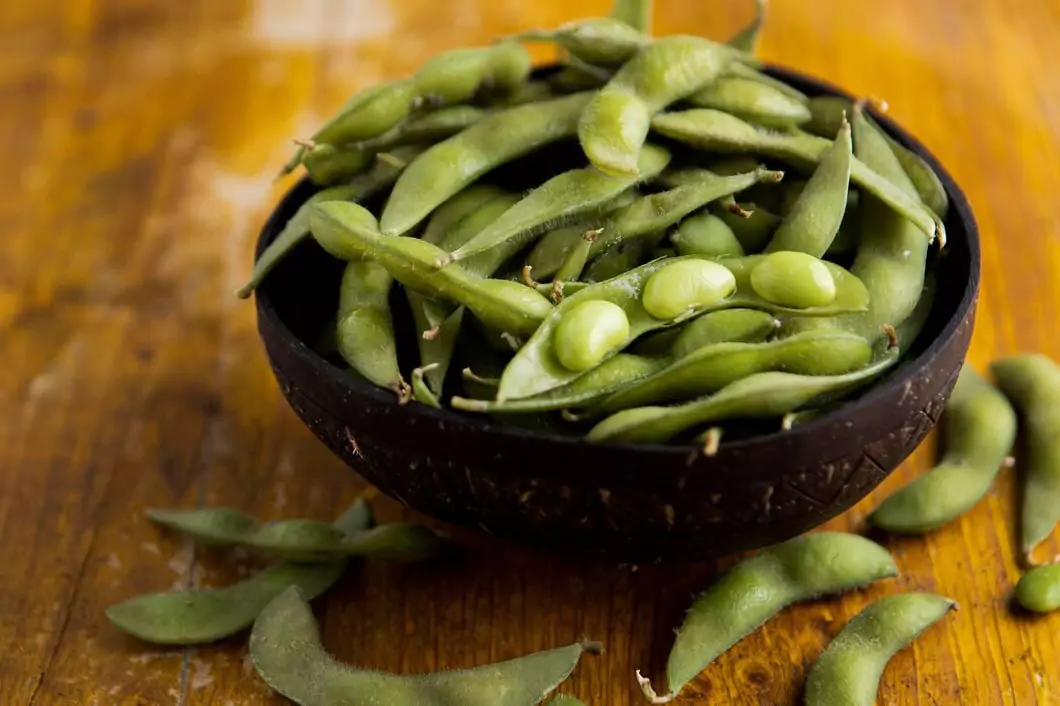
536 367
348 231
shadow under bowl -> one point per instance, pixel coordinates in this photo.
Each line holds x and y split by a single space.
631 503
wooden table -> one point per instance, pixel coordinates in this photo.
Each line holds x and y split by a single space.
140 141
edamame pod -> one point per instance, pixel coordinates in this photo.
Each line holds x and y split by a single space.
717 131
1032 383
848 672
456 209
564 197
287 653
753 101
757 396
725 326
747 38
604 41
327 164
814 219
744 71
616 121
979 430
1038 590
712 367
300 540
428 128
452 164
199 616
348 231
753 227
635 13
364 330
758 588
437 325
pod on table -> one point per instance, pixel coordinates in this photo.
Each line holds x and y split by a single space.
348 231
362 187
752 100
199 616
364 331
848 672
757 396
300 540
645 294
708 235
828 113
1038 590
604 41
562 198
450 77
451 165
758 588
813 221
979 430
712 367
616 121
718 131
287 653
1032 383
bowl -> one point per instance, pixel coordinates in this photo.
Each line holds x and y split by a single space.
629 503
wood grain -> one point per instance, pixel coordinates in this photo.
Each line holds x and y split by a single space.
140 140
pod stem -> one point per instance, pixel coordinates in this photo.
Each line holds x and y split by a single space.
391 160
711 441
469 405
402 390
305 144
528 278
556 295
469 374
432 333
649 692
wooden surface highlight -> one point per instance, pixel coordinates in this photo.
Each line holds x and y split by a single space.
141 139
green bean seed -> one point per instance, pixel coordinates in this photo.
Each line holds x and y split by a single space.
615 123
848 672
793 279
300 540
725 326
758 588
747 38
1032 383
713 367
456 208
717 131
706 234
348 231
686 285
452 164
199 616
1038 590
757 396
604 41
635 13
813 221
753 101
365 330
450 77
561 199
980 428
287 653
361 187
589 332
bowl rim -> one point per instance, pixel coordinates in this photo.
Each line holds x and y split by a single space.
960 209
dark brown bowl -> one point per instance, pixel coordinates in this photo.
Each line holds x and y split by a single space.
629 503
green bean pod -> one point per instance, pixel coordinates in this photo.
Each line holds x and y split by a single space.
438 325
758 588
554 248
758 396
327 164
747 38
451 77
449 166
456 208
363 186
1038 590
1032 383
814 219
365 330
616 121
711 368
287 653
635 13
848 672
572 267
717 131
427 128
753 232
753 101
616 261
300 540
348 231
603 41
979 430
200 616
725 326
739 70
559 200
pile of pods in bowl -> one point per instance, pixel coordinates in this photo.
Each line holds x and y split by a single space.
643 243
